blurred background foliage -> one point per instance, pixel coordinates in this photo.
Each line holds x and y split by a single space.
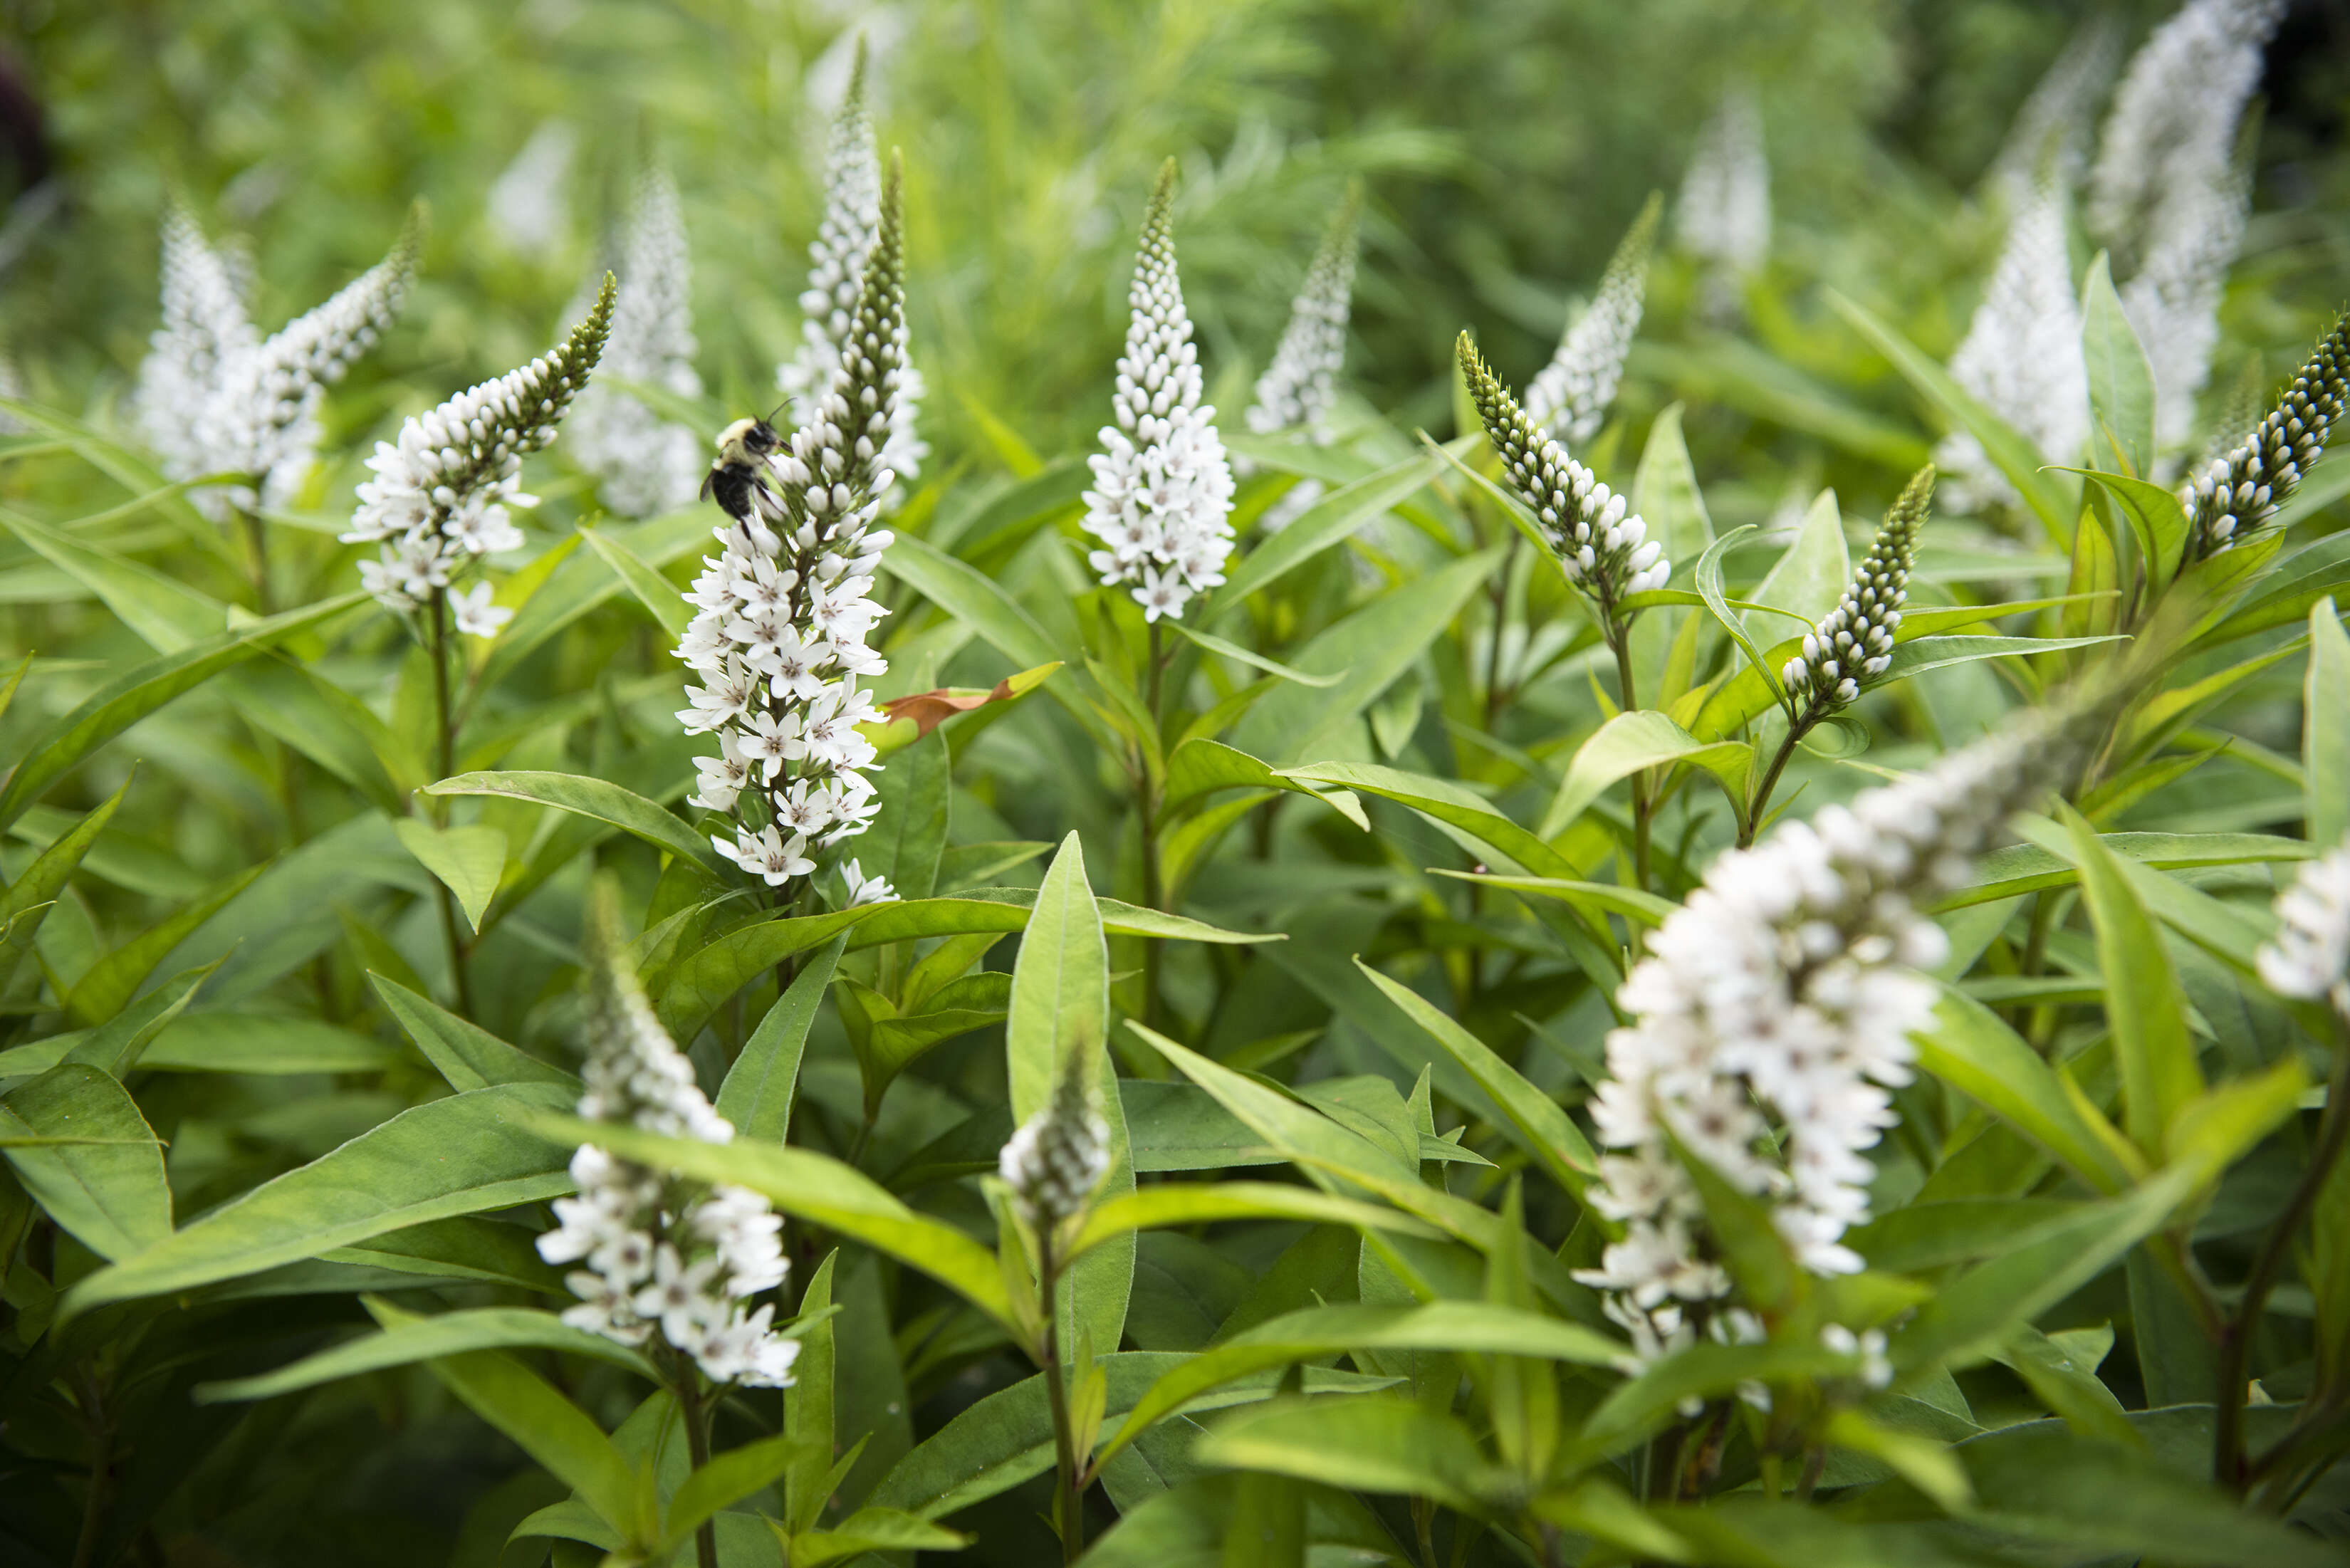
1506 143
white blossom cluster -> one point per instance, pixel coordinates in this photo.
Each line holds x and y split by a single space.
2172 124
2308 957
1057 1157
1162 495
1769 1022
1298 389
1723 213
440 496
1852 643
2238 492
2167 196
215 397
656 1256
2049 138
1571 394
644 463
2021 355
1604 550
782 612
527 206
844 238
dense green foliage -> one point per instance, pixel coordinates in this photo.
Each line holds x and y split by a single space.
1323 896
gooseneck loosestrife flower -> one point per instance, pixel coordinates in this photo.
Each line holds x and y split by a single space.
782 610
2167 196
1723 215
2236 494
1604 551
1056 1157
2049 134
2308 957
1852 644
1571 396
2021 355
1299 389
439 498
644 463
1163 496
217 397
660 1255
844 238
1769 1022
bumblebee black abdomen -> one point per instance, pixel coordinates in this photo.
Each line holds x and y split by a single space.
732 486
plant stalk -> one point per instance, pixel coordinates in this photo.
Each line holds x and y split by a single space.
2227 1466
1148 790
445 754
1642 806
1796 730
696 1413
1068 1497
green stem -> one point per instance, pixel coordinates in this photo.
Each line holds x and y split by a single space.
2236 1334
1068 1497
1153 894
696 1412
256 544
445 751
1500 593
101 1463
1642 806
1797 730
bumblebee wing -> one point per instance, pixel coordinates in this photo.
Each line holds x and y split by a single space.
707 481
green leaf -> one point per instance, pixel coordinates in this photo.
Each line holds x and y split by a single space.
1446 804
108 986
2325 728
468 860
1199 766
970 596
1925 653
131 696
2156 521
656 593
118 1045
874 1530
1171 1204
2144 1003
1927 1465
109 1193
1625 745
1973 1051
1972 1317
727 1477
757 1094
1337 515
1810 577
163 612
545 1424
463 1052
1374 1444
29 899
2068 1387
595 798
326 724
456 1156
814 1188
411 1340
2028 868
907 839
2011 452
1665 491
1534 1121
1475 1326
808 1408
1368 650
1707 577
1234 652
2121 384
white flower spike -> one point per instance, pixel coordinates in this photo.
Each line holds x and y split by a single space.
644 463
1298 389
1571 396
1163 496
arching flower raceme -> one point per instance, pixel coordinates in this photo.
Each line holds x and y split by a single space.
1056 1157
440 495
526 207
661 1256
2050 135
844 238
782 611
644 463
1771 1021
1571 396
1853 644
2172 125
1298 389
1722 216
1604 550
2173 301
2308 957
2239 493
1162 497
2021 355
215 397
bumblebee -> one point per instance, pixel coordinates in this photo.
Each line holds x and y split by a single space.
738 474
